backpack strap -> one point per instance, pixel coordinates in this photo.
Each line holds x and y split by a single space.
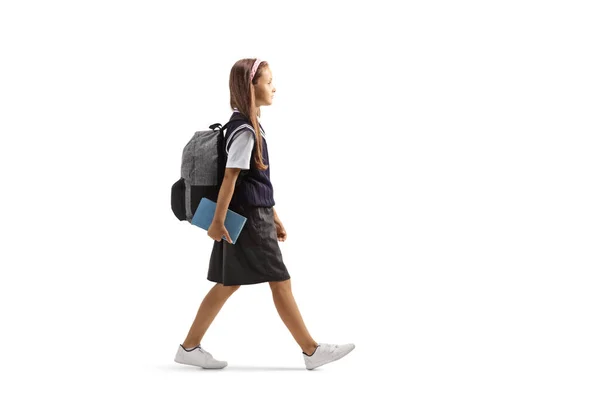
226 126
235 133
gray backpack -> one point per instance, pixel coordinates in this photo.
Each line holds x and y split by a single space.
202 169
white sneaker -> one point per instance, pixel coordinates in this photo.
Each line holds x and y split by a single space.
326 353
198 357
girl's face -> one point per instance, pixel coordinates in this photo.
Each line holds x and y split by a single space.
264 89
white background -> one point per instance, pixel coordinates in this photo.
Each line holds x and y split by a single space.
435 165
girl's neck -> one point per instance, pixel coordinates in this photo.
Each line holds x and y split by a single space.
257 114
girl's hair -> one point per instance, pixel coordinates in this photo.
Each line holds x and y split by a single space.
242 96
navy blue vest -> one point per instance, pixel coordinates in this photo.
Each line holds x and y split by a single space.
253 187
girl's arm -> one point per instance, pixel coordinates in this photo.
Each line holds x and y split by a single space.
275 216
225 194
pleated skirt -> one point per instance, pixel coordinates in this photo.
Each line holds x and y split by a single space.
255 257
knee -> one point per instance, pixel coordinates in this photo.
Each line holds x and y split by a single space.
228 289
281 286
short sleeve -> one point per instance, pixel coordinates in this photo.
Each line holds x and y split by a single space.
240 152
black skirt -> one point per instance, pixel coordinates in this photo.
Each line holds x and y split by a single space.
255 257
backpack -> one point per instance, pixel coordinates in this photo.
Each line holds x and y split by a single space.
202 170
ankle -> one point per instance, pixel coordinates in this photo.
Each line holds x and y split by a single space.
190 345
310 349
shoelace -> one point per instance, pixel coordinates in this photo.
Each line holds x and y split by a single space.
204 351
332 348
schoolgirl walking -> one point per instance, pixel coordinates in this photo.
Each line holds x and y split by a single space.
256 256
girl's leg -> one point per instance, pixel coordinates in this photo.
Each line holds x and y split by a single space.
289 313
209 308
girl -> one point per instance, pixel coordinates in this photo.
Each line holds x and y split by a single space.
255 257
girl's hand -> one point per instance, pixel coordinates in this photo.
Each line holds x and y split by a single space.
216 231
281 234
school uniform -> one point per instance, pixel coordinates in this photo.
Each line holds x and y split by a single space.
255 257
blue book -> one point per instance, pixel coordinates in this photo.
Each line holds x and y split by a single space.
205 213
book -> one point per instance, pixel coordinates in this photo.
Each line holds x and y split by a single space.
205 213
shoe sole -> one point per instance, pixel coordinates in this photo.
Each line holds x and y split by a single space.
196 365
332 360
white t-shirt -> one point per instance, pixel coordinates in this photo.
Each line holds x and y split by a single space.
240 152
